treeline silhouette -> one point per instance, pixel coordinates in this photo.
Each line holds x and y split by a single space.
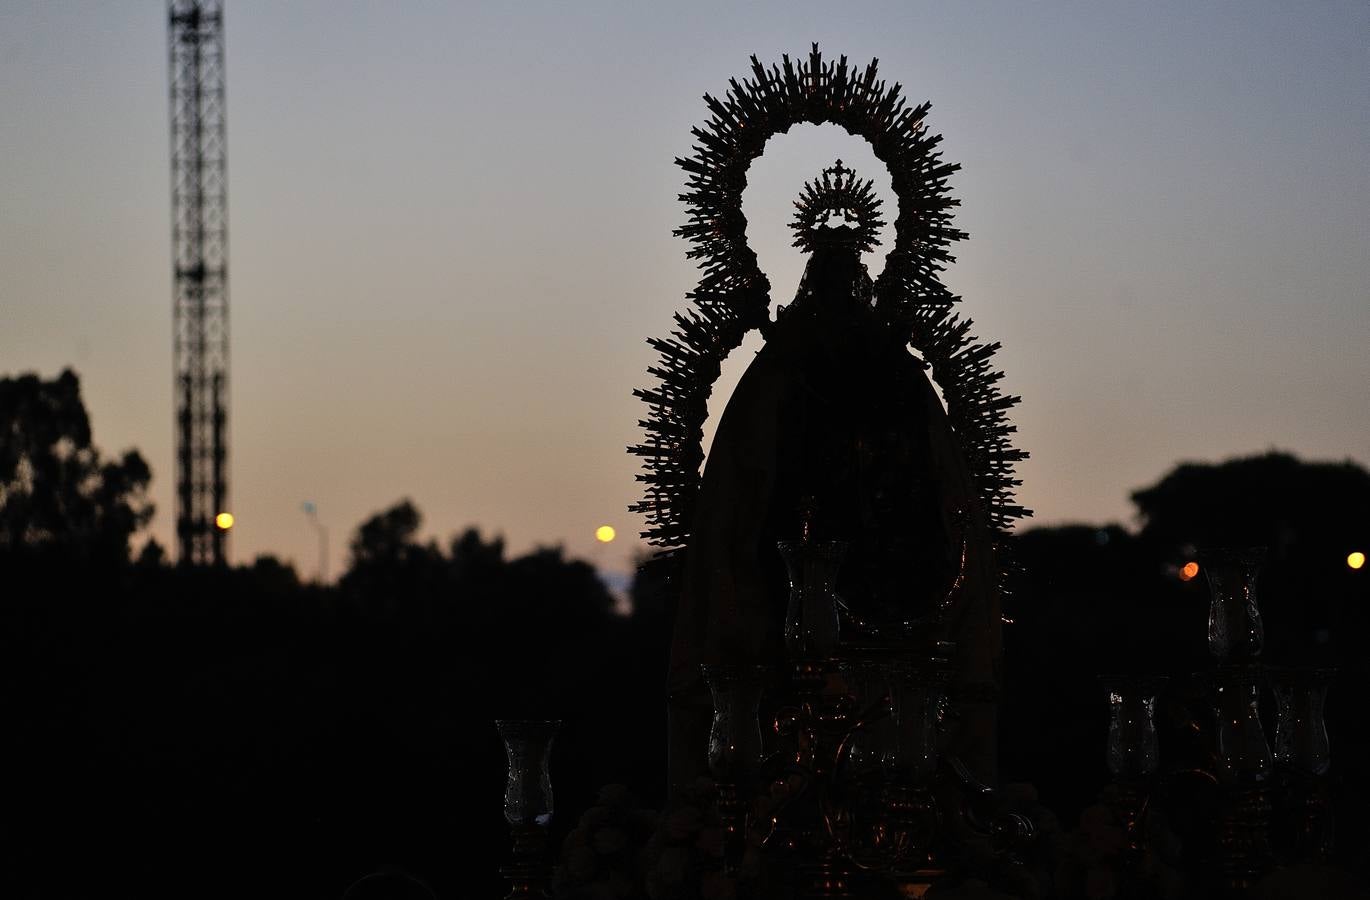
238 732
235 731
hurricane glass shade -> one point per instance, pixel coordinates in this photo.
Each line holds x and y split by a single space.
916 695
811 618
1300 732
528 790
1244 758
1133 751
1235 631
735 732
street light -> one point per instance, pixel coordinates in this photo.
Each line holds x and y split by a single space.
312 512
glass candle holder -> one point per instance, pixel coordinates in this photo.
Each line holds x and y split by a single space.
811 618
735 734
916 695
528 790
1133 751
1300 732
1235 632
1244 759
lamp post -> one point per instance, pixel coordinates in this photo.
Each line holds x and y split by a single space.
312 512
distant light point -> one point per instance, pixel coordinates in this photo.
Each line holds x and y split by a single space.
605 533
223 521
1189 570
1355 559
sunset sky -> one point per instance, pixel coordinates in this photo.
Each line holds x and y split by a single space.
450 236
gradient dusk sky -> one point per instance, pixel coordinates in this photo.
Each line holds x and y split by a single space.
450 236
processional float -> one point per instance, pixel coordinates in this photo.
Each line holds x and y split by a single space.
839 564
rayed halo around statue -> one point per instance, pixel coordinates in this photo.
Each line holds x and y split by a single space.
733 295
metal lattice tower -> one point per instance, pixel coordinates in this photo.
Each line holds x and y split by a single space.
199 234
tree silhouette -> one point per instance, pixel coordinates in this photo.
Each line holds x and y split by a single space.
59 498
389 569
387 537
1275 500
474 560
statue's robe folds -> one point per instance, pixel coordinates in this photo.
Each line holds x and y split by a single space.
834 416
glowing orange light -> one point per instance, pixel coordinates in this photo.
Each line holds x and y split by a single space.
605 533
1355 559
224 521
1189 570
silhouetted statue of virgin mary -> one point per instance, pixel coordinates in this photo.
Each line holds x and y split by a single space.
834 428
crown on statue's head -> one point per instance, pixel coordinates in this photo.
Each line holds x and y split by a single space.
836 208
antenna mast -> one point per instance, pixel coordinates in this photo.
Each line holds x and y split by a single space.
199 236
